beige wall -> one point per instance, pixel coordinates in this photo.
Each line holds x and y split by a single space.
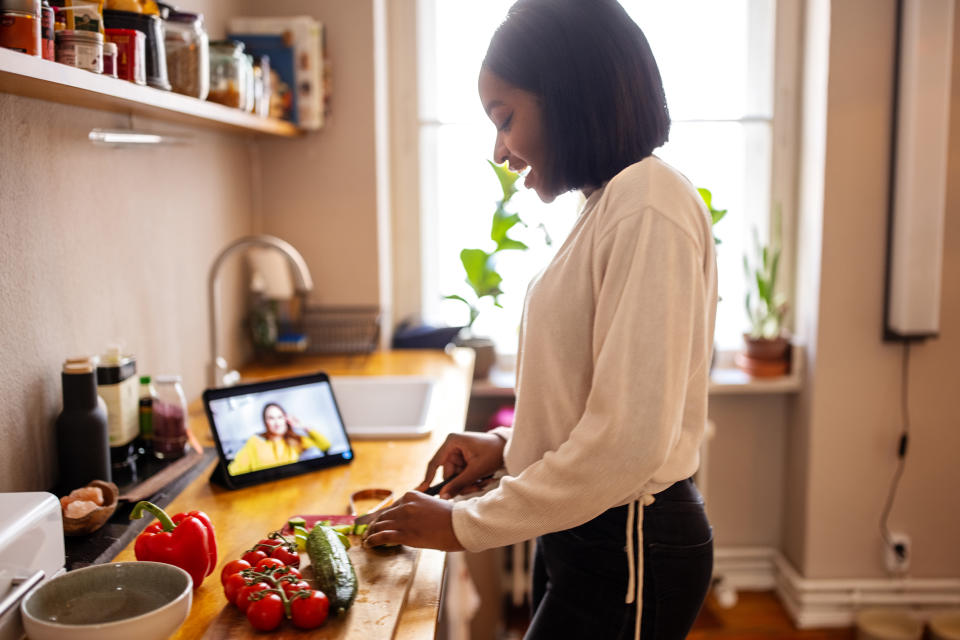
102 245
842 448
320 191
820 463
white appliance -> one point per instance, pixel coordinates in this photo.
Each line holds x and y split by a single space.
918 205
31 551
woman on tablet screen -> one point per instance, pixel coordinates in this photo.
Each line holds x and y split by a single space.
283 441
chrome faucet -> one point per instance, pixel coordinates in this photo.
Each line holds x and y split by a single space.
220 374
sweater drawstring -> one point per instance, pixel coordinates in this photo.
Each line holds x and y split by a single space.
635 560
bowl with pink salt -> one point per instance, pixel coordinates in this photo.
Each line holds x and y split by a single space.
88 508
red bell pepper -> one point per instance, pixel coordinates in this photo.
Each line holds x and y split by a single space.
186 541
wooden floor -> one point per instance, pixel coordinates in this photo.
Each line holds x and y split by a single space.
758 615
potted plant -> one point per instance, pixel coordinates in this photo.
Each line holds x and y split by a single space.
766 346
480 267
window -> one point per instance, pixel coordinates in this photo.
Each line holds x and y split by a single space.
717 64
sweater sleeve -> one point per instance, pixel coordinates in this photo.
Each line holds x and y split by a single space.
650 291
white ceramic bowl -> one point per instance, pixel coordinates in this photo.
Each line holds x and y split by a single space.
122 600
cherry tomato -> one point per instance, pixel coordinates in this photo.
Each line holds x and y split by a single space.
232 567
254 556
287 557
309 611
243 598
269 563
232 587
266 613
289 586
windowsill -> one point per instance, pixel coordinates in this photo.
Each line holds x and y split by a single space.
725 378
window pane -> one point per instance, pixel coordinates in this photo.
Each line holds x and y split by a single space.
732 160
715 58
466 192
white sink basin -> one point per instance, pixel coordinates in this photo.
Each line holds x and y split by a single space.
375 407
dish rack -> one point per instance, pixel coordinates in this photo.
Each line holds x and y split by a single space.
343 329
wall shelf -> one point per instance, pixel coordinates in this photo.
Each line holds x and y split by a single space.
33 77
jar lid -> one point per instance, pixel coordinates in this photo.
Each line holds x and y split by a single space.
144 379
168 379
110 48
80 35
233 45
25 6
184 16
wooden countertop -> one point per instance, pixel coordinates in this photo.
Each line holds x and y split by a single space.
241 517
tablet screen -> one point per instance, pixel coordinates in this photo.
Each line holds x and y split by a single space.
277 428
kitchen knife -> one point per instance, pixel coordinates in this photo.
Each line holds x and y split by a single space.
433 490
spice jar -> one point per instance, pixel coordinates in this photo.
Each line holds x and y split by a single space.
20 26
81 49
110 59
81 427
131 54
188 54
169 418
228 73
48 41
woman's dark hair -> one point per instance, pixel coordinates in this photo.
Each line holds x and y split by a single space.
600 89
292 438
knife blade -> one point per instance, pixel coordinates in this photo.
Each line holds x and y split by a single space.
432 490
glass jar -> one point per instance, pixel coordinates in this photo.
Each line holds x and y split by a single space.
188 54
20 22
169 418
228 75
250 96
262 89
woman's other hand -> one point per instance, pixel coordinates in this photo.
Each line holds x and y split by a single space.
417 520
293 421
469 456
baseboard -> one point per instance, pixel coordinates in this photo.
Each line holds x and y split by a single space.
822 603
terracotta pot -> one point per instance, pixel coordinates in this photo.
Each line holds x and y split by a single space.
766 348
486 355
764 357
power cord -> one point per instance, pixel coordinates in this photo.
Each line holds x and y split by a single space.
898 548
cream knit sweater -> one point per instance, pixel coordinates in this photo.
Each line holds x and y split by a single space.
613 364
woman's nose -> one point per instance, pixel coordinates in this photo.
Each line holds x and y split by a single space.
500 153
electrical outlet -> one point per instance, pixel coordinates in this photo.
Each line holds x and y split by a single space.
897 553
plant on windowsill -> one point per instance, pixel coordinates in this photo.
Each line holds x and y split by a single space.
766 346
481 271
716 215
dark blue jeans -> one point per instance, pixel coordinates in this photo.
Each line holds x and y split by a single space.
580 575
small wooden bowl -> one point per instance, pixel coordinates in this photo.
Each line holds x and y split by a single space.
96 518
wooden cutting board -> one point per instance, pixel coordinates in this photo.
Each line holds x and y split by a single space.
383 580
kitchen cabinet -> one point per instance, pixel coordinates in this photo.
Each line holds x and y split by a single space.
242 517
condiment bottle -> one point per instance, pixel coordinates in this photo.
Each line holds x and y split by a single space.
147 394
81 428
169 418
117 381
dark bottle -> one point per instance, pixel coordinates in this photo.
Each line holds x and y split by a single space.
82 440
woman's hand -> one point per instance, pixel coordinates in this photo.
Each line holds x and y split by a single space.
293 422
469 456
417 520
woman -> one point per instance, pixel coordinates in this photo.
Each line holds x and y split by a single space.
280 442
615 344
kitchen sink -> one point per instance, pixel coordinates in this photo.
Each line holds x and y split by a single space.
376 407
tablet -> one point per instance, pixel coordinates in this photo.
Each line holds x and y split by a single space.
275 429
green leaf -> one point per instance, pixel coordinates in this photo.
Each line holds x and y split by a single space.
716 215
508 244
502 223
507 179
706 195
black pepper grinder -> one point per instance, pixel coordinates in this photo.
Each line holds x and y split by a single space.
82 438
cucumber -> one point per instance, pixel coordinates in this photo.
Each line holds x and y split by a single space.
332 569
